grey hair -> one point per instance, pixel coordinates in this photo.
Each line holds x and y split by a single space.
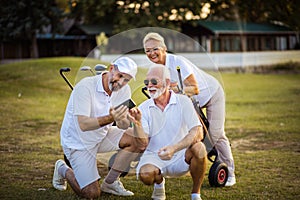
164 69
154 36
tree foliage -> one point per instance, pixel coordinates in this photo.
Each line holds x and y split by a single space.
93 11
286 12
23 19
126 14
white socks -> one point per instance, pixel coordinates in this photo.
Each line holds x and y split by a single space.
195 196
62 170
161 185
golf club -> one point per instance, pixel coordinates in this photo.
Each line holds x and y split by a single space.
64 70
87 68
99 68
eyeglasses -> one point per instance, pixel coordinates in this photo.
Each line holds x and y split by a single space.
153 81
148 51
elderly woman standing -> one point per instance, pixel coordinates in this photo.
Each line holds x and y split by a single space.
202 87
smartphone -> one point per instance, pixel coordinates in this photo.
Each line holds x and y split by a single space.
129 103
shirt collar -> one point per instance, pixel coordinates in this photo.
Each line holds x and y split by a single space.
173 100
100 84
167 60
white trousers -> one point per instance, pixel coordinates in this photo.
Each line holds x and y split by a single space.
215 111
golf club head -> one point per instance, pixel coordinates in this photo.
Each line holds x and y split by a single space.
85 68
99 68
65 69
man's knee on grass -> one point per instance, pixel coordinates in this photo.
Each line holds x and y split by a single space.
148 174
91 191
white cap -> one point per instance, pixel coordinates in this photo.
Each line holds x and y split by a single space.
126 65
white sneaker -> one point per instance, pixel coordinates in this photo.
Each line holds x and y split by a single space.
230 181
196 198
58 181
115 188
159 193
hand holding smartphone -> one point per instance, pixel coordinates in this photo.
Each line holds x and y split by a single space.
129 103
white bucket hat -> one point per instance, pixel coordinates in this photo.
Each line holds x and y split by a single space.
126 65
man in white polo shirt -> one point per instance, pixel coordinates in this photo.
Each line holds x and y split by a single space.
87 130
174 136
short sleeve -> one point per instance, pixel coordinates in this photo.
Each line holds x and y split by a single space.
145 116
190 115
186 67
82 101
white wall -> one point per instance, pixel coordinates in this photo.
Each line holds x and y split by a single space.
223 60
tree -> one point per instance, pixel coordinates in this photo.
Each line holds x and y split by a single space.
285 12
23 19
129 14
93 11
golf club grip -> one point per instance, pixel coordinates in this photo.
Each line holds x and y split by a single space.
144 89
180 79
64 69
61 71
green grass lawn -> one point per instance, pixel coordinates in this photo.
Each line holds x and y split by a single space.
263 117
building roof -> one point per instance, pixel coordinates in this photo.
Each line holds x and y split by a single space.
90 30
59 36
231 27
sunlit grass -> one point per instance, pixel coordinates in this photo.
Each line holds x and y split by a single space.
262 123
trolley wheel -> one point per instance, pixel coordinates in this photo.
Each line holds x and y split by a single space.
111 162
218 174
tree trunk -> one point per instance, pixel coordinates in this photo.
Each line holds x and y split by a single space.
34 50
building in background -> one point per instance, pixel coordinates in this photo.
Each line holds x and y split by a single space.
213 36
232 36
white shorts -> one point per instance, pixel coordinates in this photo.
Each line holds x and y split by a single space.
84 162
171 168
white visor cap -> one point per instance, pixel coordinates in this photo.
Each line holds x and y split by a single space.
126 65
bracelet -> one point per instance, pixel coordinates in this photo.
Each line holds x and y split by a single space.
136 124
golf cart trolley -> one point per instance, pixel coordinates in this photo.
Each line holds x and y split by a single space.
218 173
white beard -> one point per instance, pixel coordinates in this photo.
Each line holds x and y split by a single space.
114 88
158 92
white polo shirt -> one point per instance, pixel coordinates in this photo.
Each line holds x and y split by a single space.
169 126
207 84
88 98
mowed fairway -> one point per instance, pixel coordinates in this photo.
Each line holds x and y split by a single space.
263 121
